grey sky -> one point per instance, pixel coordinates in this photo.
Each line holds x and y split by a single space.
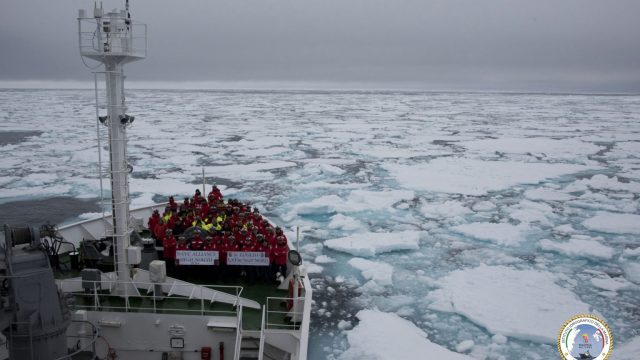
546 45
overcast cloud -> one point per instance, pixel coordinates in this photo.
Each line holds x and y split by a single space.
541 45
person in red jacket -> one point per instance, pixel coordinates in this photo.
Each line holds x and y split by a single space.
271 236
169 245
196 242
279 256
186 205
173 205
154 220
197 199
160 230
182 244
215 194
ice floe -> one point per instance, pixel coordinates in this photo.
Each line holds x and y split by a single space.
324 259
579 246
386 336
611 284
380 272
565 149
343 222
524 304
547 195
447 209
476 177
357 200
499 233
614 223
370 244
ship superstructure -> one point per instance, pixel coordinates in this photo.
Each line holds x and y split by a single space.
137 310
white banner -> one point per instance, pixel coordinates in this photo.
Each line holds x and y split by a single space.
193 257
251 258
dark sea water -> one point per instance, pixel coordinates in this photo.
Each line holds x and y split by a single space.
54 210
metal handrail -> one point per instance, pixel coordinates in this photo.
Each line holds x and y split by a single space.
97 293
261 347
88 37
279 326
236 353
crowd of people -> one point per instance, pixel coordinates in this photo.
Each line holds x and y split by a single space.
211 224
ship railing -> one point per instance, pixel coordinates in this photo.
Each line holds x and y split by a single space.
122 39
262 332
238 346
140 297
284 313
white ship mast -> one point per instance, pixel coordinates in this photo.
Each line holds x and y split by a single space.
109 39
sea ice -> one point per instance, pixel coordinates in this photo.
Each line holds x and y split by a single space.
579 246
312 268
324 259
164 186
630 253
385 336
632 271
565 149
465 346
614 223
320 168
447 209
370 244
344 222
628 350
475 177
380 272
530 211
499 233
547 195
603 182
611 284
483 206
253 171
357 200
524 304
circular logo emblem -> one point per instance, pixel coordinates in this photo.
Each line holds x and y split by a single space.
585 337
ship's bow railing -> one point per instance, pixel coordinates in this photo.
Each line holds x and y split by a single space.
97 296
284 313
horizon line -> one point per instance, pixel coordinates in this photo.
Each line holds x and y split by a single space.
284 86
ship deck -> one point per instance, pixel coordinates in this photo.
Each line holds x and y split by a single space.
251 318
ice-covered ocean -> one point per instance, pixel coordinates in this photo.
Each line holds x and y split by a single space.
435 225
